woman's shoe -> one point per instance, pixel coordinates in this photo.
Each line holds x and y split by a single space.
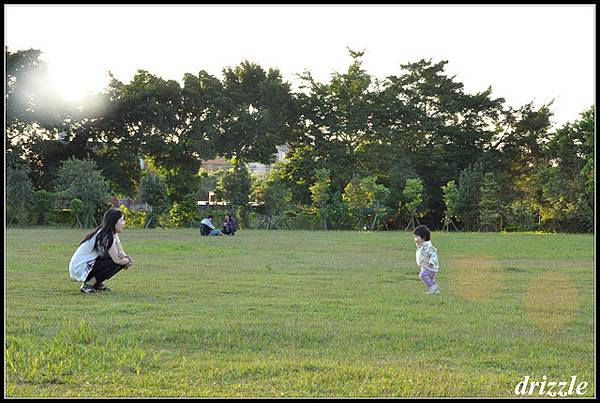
87 289
102 287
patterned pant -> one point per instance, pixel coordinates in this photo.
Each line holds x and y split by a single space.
428 277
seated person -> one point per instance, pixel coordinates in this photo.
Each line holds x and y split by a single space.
208 228
229 225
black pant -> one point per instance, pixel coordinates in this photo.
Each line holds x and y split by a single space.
104 268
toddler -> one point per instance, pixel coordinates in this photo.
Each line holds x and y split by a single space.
426 258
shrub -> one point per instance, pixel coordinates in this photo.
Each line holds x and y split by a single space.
133 218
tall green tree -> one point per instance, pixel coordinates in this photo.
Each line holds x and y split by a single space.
83 180
427 114
337 119
257 113
567 178
365 200
450 195
321 195
76 208
183 213
273 196
235 187
36 116
44 203
19 191
154 193
144 120
402 168
303 161
469 196
490 207
30 96
413 195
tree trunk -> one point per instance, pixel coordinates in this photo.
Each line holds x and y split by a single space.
374 220
413 217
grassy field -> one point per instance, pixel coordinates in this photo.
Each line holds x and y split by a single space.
299 313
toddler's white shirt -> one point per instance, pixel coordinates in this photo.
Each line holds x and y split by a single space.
426 255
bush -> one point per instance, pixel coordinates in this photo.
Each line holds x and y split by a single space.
307 220
82 179
19 194
43 203
133 218
521 217
184 213
60 216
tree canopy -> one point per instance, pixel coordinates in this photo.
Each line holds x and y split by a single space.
353 135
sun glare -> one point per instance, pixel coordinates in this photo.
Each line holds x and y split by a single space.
73 82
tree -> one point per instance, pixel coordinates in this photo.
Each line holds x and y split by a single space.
297 172
83 180
568 175
150 118
427 115
378 195
30 97
413 194
19 192
35 115
182 213
120 165
490 206
43 204
395 178
337 120
450 195
235 187
273 197
469 196
257 113
154 193
365 199
207 183
76 206
321 195
515 157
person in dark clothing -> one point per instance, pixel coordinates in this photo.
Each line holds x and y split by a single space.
229 225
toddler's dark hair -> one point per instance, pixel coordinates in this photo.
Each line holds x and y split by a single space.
423 232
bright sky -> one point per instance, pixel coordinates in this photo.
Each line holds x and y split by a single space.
526 53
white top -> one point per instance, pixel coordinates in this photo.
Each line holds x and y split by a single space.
426 255
84 257
206 221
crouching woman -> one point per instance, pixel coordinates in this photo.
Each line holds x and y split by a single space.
100 254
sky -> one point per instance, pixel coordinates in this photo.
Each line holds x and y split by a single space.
533 53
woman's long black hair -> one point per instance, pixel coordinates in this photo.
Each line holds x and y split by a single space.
106 231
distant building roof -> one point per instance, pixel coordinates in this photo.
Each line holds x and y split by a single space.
218 163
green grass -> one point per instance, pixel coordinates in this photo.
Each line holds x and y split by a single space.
299 313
